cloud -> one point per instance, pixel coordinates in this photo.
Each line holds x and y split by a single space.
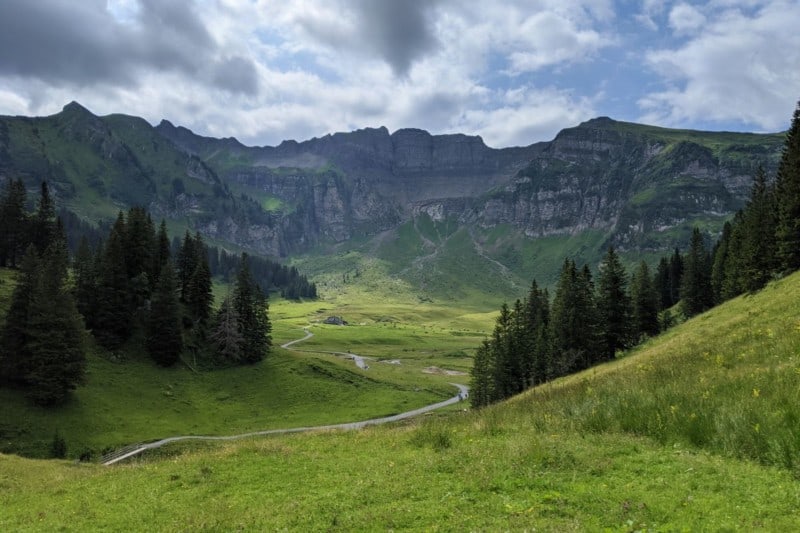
685 19
741 68
83 43
395 32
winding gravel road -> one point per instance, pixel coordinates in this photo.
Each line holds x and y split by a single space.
135 449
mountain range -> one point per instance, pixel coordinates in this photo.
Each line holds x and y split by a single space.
429 208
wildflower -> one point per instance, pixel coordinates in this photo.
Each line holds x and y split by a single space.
756 393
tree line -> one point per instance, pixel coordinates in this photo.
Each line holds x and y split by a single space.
129 289
539 339
270 275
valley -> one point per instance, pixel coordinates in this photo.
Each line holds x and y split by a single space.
710 442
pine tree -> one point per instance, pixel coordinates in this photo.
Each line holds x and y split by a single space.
114 318
573 321
696 291
43 222
251 306
15 338
187 263
482 383
645 303
161 253
56 342
758 247
164 342
198 295
85 286
13 223
536 362
788 193
662 284
226 335
720 256
676 268
613 305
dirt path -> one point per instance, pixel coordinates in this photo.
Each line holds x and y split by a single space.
135 449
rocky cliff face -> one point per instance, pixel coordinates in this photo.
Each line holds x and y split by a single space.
628 180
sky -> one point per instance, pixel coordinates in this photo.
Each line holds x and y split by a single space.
512 71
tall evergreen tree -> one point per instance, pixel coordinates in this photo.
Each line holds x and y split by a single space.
226 335
251 306
696 291
43 222
15 340
536 362
662 283
187 263
788 194
645 303
164 342
720 258
482 383
56 344
161 253
613 305
573 321
198 294
676 268
13 223
85 281
758 260
114 318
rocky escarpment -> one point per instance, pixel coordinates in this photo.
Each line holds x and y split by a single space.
628 180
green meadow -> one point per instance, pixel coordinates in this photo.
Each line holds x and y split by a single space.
695 430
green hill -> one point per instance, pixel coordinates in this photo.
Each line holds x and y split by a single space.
695 430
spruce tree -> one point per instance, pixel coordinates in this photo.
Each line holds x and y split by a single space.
481 391
645 303
114 319
720 257
613 305
661 280
187 263
161 252
537 315
164 342
696 291
573 321
15 352
43 222
676 268
85 281
251 306
226 335
198 294
56 343
757 251
13 223
788 193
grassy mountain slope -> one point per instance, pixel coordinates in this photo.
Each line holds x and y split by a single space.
697 429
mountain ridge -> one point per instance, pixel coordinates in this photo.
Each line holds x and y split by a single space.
636 186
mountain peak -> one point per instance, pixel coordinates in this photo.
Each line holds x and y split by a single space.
598 122
75 107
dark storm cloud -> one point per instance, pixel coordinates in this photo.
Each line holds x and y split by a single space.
64 42
400 32
236 74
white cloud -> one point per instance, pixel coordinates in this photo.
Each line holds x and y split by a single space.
685 19
741 68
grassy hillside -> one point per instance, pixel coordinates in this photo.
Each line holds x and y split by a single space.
697 430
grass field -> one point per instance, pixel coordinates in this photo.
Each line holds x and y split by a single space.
696 430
